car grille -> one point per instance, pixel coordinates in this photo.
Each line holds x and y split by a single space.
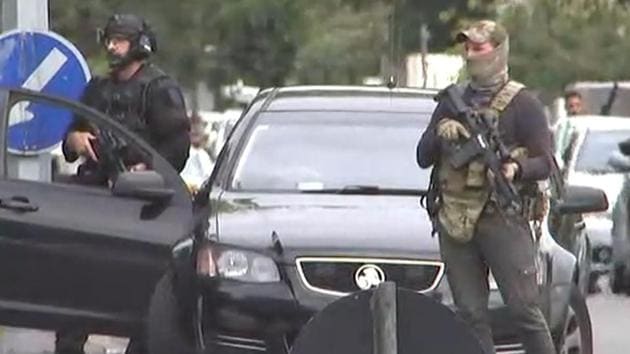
239 345
341 276
515 348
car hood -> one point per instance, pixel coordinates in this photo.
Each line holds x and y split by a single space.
328 224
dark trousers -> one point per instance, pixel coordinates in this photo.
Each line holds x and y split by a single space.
70 342
508 250
73 341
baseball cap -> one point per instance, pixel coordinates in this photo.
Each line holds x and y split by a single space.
483 31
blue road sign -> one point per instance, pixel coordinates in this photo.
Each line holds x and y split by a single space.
46 62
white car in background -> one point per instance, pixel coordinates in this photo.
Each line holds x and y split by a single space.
218 127
591 143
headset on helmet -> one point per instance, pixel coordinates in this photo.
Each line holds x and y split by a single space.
132 27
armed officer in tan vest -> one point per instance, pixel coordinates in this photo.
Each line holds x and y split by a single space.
475 236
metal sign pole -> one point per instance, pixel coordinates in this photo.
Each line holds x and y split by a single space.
28 15
24 14
384 319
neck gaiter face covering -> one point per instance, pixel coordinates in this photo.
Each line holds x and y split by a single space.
488 72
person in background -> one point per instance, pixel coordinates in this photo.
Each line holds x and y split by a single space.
574 104
199 164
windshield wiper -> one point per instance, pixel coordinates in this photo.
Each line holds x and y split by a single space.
367 189
600 170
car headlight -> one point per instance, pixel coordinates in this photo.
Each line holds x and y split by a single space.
232 264
236 264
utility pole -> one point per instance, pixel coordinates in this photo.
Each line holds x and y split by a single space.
392 79
424 49
27 15
24 14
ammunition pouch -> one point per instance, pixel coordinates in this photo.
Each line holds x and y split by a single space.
431 200
535 203
533 194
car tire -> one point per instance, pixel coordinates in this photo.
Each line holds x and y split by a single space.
577 335
166 334
593 286
617 279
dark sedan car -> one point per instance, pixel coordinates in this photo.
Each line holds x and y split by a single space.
316 196
82 256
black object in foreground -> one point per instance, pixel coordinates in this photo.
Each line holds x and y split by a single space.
360 323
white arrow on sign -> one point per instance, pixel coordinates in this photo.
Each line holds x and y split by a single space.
38 79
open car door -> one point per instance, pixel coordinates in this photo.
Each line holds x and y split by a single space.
87 256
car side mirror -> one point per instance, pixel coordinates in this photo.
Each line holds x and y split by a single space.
619 162
624 147
578 199
147 185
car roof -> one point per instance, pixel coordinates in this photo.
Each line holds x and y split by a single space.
599 84
597 122
350 98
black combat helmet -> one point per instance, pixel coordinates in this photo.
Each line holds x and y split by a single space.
134 29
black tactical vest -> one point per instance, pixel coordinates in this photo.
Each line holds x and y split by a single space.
126 101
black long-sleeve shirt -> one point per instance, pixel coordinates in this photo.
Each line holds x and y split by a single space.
522 123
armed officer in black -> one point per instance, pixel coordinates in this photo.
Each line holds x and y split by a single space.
138 95
142 98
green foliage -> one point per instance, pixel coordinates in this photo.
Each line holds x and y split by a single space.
444 19
554 43
272 42
258 39
77 20
342 44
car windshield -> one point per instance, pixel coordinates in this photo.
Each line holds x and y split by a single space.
596 149
314 152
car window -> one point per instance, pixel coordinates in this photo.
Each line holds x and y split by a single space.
596 149
36 128
311 151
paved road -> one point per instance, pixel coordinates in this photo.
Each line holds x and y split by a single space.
610 316
27 341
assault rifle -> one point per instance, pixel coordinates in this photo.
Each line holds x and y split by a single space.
484 143
109 151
